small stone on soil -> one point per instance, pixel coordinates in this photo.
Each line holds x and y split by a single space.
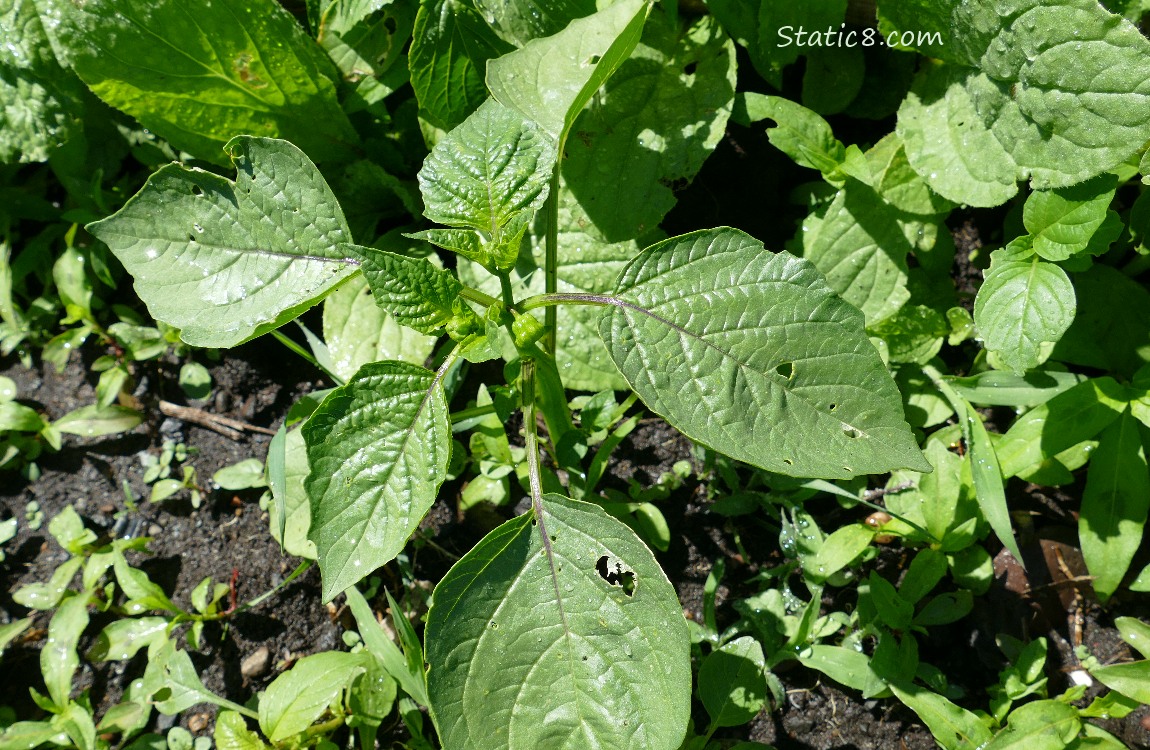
256 664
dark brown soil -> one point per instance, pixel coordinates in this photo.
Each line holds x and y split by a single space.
228 536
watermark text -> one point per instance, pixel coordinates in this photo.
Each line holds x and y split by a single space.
843 37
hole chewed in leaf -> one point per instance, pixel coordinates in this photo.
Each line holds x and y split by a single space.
593 60
786 369
611 570
851 432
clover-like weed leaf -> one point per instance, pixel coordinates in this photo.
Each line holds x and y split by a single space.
751 353
378 450
227 261
558 632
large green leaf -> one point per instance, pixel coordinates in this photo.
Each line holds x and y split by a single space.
1132 679
58 657
227 261
1054 93
550 79
450 48
378 450
198 72
1111 331
733 682
488 174
1076 414
358 331
661 114
365 39
560 632
40 102
752 354
1041 725
300 696
1114 504
1022 309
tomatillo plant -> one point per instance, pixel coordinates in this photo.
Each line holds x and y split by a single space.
559 628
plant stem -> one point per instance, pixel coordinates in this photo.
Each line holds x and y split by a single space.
479 297
551 259
531 436
283 339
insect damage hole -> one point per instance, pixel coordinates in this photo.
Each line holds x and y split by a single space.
611 570
786 369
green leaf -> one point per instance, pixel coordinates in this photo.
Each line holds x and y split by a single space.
844 665
860 245
365 38
837 551
358 331
987 476
28 735
244 475
953 727
40 102
799 133
997 388
121 639
76 721
1064 421
199 72
1042 725
561 631
48 594
1022 309
416 293
657 118
16 417
58 657
1131 679
378 450
733 682
172 682
1135 632
752 354
913 334
195 380
1112 328
95 420
227 261
299 696
523 20
232 733
1114 504
10 631
384 649
550 79
143 594
290 520
1062 221
450 48
492 167
1053 93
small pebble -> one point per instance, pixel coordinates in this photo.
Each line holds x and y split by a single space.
197 723
171 427
256 664
107 508
155 530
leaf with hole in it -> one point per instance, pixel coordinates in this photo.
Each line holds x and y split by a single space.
1022 309
1114 504
752 354
199 71
227 261
378 450
733 682
450 47
573 639
493 166
551 79
1054 93
413 290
